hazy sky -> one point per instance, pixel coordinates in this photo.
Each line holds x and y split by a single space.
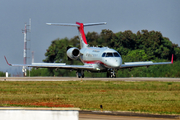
120 15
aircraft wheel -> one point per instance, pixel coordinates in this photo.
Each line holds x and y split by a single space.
113 75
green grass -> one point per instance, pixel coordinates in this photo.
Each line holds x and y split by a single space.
152 97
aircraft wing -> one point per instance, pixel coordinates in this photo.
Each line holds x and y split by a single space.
53 65
148 63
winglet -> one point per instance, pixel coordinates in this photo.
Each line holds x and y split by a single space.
172 59
7 61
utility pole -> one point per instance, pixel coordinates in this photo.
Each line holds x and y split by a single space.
32 56
24 69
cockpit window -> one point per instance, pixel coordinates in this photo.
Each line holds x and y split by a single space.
103 55
116 54
109 55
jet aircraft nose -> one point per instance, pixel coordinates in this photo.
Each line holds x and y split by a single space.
113 62
116 63
111 59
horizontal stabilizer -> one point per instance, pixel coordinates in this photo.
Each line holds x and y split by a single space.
92 24
76 25
63 24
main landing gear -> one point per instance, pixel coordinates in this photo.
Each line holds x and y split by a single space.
111 74
80 73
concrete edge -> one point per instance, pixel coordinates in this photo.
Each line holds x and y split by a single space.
127 113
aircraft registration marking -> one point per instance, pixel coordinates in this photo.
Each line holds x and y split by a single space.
91 55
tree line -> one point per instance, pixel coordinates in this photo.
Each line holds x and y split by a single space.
141 46
2 74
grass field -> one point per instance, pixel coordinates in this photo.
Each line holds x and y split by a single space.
152 97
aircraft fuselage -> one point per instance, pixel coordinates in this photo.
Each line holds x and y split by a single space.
101 58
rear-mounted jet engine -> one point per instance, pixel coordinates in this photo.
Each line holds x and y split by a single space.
73 53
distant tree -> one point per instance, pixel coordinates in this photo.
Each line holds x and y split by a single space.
2 74
93 38
56 51
136 55
105 37
39 72
177 53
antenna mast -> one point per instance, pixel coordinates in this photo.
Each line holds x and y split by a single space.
25 46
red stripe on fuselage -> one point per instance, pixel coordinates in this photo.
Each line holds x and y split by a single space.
81 30
95 62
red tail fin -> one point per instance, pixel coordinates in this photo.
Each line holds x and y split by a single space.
83 41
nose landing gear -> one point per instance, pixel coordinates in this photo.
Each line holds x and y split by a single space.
111 73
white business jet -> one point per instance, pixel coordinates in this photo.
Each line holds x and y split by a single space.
95 59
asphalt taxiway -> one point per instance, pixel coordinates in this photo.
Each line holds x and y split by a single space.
123 115
115 117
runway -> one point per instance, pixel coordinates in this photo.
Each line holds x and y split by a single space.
133 79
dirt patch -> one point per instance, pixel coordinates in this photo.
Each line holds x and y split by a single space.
102 90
